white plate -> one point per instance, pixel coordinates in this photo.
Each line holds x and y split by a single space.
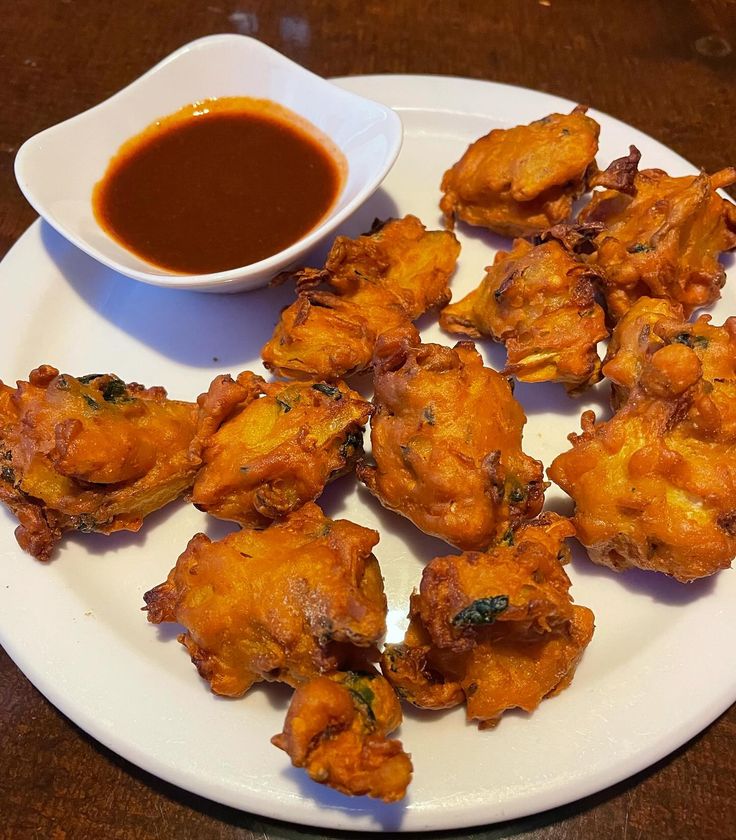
653 676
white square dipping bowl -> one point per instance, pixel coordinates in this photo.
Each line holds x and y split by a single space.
58 168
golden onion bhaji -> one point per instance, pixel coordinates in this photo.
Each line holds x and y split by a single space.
539 300
337 728
655 486
652 323
496 630
267 448
446 438
89 453
520 181
633 340
661 235
383 280
298 599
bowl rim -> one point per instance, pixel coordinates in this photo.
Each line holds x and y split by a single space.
168 279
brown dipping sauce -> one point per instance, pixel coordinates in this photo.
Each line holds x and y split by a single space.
219 184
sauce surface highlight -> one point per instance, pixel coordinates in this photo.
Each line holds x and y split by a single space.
218 185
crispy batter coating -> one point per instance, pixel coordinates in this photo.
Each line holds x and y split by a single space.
497 630
267 448
301 598
446 440
655 486
520 181
337 728
377 282
633 340
89 454
652 323
661 235
539 300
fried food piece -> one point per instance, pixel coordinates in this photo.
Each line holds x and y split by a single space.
267 448
520 181
446 440
632 342
337 728
661 235
497 630
539 300
301 598
652 323
655 486
89 454
377 282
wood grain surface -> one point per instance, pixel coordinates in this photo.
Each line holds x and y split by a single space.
667 67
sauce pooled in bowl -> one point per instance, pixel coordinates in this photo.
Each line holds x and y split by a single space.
219 184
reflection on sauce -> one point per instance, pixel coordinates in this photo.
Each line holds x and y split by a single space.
219 184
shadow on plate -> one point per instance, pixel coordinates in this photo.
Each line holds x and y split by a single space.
168 631
421 546
334 498
192 328
216 331
109 544
535 397
562 505
218 529
551 397
494 242
657 586
278 695
430 716
386 816
105 544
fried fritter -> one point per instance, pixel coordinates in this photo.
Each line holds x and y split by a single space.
661 235
519 181
301 598
267 448
655 486
497 630
652 323
539 300
632 342
446 439
337 728
89 454
377 282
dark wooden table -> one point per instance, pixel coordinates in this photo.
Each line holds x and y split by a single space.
667 67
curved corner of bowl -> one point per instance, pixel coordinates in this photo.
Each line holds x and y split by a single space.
20 168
